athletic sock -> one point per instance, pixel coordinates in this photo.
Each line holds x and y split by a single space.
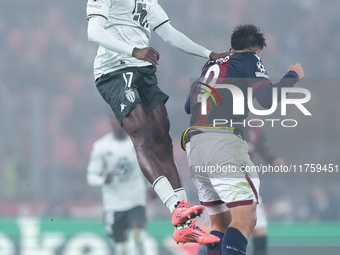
217 248
234 243
260 245
165 192
181 194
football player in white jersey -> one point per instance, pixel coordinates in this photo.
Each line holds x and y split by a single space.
113 166
124 71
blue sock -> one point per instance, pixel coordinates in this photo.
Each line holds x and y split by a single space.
234 243
217 248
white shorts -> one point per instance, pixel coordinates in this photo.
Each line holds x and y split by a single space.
220 169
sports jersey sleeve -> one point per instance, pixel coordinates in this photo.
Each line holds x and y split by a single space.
178 40
98 8
97 15
97 33
262 87
255 72
157 17
159 22
95 169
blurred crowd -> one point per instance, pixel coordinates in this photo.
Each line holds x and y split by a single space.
51 113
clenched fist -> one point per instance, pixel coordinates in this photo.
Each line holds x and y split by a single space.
298 69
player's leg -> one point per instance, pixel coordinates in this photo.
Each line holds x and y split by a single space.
194 233
142 243
160 126
220 219
150 135
137 127
119 89
157 124
219 215
153 100
242 202
243 218
235 188
137 223
235 239
116 228
132 93
208 197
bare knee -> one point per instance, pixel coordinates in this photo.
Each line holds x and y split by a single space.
220 221
244 218
164 144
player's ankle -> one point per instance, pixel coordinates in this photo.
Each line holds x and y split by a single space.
165 192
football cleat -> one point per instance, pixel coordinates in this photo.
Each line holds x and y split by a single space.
193 234
185 211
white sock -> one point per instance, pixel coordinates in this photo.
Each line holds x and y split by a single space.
181 194
165 192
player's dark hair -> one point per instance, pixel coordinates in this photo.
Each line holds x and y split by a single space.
247 36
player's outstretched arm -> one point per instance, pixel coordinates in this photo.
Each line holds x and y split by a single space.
180 41
263 89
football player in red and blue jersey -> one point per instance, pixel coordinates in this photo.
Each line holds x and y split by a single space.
233 192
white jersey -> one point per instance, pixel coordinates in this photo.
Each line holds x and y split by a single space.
128 187
130 21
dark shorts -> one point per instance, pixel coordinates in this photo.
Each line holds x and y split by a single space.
125 88
117 223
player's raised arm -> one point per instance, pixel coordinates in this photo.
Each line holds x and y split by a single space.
161 25
263 89
180 41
